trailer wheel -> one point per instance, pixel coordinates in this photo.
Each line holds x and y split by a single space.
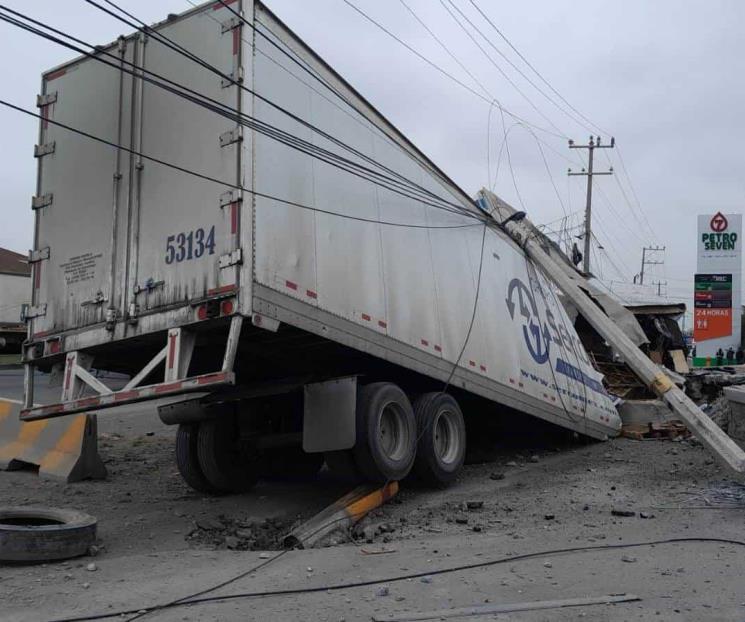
291 463
228 463
386 433
441 447
187 459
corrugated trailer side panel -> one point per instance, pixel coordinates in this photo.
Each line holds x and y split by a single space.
406 294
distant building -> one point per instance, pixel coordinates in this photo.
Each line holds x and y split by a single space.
15 291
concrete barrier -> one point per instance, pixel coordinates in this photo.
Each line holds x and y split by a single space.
64 449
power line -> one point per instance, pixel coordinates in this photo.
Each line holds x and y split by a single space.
494 63
525 60
446 48
515 67
286 138
227 183
440 69
145 29
416 575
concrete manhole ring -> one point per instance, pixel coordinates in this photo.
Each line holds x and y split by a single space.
34 534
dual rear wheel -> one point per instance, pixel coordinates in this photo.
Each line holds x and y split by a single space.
394 439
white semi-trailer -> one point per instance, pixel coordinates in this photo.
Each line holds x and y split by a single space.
259 249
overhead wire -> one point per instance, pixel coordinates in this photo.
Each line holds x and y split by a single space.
227 184
515 67
525 60
443 71
164 40
290 140
500 70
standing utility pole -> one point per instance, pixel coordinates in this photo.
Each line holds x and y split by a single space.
649 262
590 146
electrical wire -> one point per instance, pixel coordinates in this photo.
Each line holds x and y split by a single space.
525 60
221 182
509 62
288 139
308 146
447 50
498 68
557 552
440 69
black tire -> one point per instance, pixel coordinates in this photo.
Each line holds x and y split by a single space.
228 464
187 459
36 534
291 463
386 433
341 465
441 448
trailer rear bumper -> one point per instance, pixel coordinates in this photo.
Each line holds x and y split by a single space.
205 382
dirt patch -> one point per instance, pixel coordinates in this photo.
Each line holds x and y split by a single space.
238 534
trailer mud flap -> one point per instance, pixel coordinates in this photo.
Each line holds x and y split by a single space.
65 449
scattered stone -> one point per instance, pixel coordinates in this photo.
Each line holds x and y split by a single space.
91 567
94 550
646 515
383 590
496 476
535 458
264 556
477 528
209 524
548 565
232 542
549 516
628 559
511 463
461 520
86 585
624 513
399 599
426 579
474 505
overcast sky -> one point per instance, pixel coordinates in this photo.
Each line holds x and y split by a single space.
665 78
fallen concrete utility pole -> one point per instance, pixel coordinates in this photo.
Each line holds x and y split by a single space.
341 514
705 430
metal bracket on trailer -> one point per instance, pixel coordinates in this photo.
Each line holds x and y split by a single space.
41 150
39 310
38 255
231 136
44 200
176 356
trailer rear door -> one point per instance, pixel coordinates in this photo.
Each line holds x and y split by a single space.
80 190
182 225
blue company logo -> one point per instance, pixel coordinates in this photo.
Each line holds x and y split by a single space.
537 338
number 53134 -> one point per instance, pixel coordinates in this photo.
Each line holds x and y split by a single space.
192 245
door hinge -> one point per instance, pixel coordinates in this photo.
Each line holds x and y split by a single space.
232 136
231 259
234 77
232 23
38 255
35 311
42 150
230 197
46 99
42 201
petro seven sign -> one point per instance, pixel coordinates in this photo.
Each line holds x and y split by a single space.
717 285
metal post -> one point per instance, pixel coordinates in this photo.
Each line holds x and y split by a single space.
594 143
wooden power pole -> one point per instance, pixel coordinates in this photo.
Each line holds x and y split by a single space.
594 143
